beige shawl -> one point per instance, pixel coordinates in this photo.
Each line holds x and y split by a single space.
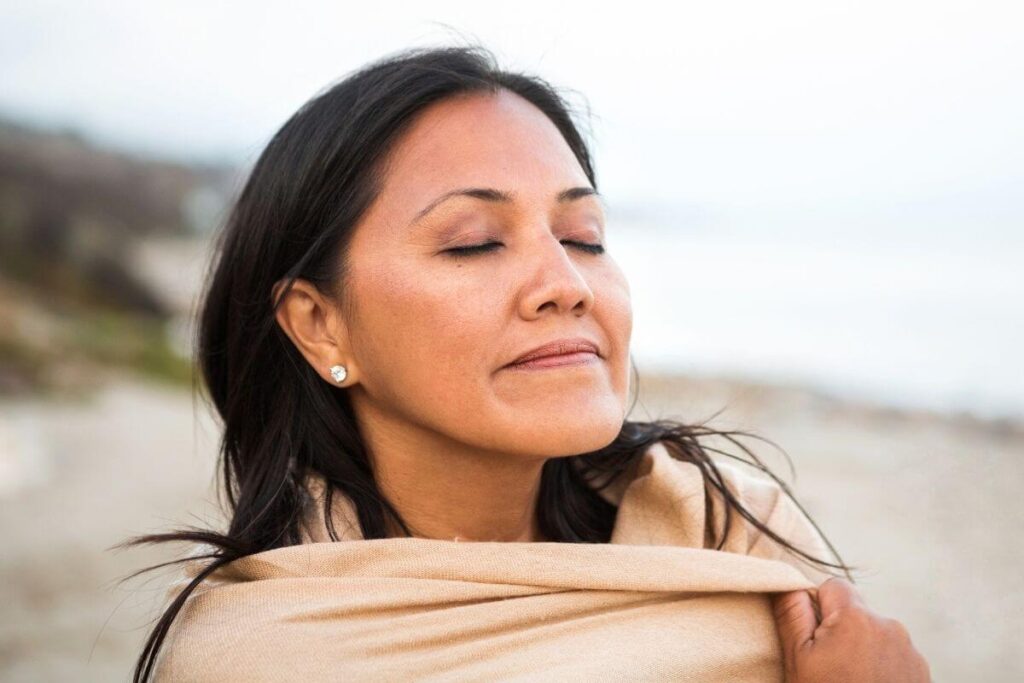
652 605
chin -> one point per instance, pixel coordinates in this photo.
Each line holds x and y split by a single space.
572 437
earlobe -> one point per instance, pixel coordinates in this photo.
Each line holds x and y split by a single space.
306 318
339 373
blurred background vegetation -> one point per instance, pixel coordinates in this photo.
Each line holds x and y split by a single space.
80 227
834 190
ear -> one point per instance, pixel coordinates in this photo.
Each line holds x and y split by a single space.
314 324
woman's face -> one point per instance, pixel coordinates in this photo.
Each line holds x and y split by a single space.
429 331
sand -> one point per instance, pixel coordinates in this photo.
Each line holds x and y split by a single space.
929 506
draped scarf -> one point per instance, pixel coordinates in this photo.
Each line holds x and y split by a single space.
653 604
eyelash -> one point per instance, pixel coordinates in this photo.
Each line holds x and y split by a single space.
459 252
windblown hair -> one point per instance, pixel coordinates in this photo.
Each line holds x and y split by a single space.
294 218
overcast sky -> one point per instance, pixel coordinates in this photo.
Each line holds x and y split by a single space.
908 112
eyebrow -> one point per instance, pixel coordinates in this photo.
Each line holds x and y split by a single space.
489 194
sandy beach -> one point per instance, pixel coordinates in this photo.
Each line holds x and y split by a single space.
802 223
927 506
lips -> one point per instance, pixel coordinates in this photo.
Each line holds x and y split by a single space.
559 347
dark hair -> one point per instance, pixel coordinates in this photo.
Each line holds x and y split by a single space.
294 218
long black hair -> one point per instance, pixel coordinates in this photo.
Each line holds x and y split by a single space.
294 218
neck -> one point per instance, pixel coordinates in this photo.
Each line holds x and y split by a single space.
455 499
447 491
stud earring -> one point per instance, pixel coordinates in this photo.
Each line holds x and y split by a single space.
339 373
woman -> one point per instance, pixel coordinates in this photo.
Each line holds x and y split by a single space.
419 348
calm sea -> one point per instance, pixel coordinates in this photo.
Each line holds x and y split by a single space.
907 320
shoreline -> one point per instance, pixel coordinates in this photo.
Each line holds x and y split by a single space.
923 504
705 390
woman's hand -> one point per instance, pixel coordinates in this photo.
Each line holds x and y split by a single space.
852 644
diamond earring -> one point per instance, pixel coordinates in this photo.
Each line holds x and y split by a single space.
339 373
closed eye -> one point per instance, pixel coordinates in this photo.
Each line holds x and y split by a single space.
491 246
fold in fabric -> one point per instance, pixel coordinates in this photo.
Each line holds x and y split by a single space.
654 604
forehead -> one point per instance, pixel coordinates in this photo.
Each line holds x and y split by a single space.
495 140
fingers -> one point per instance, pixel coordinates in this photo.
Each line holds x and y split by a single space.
837 594
795 619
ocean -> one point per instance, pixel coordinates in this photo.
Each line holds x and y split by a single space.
901 318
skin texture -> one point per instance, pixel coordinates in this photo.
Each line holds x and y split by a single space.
458 443
850 644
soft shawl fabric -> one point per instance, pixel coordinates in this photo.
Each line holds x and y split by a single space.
653 605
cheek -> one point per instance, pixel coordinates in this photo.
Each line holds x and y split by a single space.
616 308
432 340
614 311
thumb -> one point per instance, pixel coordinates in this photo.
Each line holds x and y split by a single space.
837 593
795 619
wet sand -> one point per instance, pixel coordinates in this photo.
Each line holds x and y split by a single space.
928 506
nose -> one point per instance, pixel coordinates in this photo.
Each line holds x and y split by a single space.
554 282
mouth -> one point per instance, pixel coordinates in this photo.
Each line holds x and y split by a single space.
562 360
559 353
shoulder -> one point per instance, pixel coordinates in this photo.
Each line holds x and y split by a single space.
209 636
765 499
666 499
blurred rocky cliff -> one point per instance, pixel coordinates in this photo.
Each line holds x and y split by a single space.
99 257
